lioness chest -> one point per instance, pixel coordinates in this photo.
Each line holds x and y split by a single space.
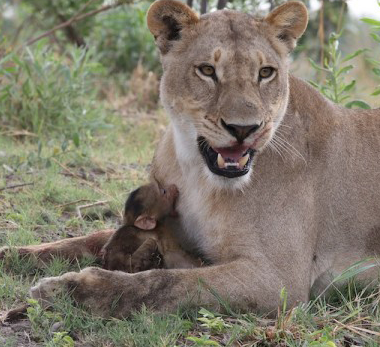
243 223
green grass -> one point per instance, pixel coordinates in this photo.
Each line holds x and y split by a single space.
107 168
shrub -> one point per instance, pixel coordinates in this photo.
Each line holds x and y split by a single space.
122 39
48 94
335 68
375 28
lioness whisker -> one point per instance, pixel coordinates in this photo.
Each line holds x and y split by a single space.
290 147
275 149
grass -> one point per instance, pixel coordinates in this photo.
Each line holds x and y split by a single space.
116 161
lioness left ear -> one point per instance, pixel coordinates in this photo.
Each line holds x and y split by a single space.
289 21
166 19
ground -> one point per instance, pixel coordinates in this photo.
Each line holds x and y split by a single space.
106 168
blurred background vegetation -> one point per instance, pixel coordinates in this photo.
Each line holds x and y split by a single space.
64 84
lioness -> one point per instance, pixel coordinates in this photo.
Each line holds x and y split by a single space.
278 186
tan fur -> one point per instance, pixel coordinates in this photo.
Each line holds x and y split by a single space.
307 209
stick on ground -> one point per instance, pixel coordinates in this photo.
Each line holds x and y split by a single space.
16 186
82 207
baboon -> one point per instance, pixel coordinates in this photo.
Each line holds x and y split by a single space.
146 240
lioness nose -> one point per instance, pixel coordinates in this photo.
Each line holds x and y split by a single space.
240 132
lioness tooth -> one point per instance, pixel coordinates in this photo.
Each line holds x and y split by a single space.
220 161
243 160
226 165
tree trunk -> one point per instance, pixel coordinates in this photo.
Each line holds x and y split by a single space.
221 4
203 6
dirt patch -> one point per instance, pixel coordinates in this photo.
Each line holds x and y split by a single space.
17 334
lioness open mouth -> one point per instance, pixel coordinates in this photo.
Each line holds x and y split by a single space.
229 162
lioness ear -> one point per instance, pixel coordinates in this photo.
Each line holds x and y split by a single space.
145 222
166 19
289 21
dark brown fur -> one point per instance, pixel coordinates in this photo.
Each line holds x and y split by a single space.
133 249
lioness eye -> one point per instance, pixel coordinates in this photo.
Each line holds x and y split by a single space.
207 70
266 72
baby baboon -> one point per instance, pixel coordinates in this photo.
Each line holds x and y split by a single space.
146 241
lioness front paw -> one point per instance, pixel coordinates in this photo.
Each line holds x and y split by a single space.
46 290
94 288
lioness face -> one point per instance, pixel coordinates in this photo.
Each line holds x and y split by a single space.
225 81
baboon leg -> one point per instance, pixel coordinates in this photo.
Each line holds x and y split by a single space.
72 248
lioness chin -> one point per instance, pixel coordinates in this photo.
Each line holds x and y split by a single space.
278 186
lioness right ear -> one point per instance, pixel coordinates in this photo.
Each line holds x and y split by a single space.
289 21
166 19
145 222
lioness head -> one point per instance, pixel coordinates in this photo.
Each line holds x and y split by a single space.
225 81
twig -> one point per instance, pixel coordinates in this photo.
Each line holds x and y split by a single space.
72 203
18 133
322 30
341 15
82 207
357 330
65 24
8 168
77 17
17 186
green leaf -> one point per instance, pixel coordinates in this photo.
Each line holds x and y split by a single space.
373 61
344 98
206 313
76 139
316 66
376 71
314 84
353 55
39 148
376 37
10 69
345 69
370 21
64 145
355 269
358 103
349 86
376 92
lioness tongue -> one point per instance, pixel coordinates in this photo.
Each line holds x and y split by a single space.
232 157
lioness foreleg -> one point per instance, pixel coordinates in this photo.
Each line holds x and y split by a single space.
117 294
71 249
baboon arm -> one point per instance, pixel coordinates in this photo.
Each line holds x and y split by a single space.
145 250
117 294
72 248
141 258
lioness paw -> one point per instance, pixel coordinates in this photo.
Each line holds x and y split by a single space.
46 290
